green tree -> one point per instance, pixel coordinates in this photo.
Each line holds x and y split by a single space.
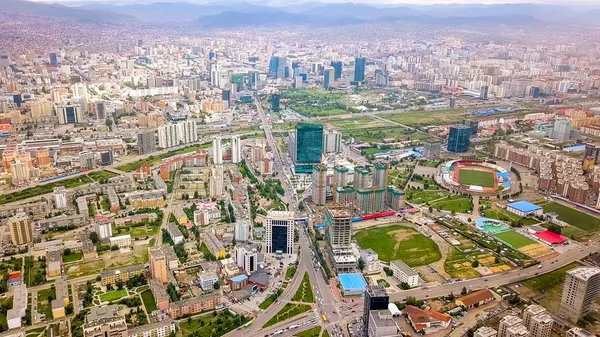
475 264
463 291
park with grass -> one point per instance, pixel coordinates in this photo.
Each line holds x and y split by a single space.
468 176
156 159
314 102
217 323
454 203
573 217
83 179
304 292
113 295
400 242
288 311
148 300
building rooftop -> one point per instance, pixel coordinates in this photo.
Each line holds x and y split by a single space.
97 313
524 206
476 297
403 267
584 273
352 281
338 210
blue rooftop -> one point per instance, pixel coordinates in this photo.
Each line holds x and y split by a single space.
239 278
524 206
575 148
352 281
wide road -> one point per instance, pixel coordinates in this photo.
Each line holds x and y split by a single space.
517 275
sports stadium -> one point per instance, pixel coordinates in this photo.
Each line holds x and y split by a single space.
476 177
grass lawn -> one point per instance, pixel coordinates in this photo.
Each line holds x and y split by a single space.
75 256
325 333
400 242
574 217
149 301
45 306
288 311
216 324
290 272
514 239
477 178
113 295
304 292
547 281
456 203
270 299
421 197
80 180
153 160
35 332
502 215
314 332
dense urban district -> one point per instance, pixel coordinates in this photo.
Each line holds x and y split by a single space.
298 181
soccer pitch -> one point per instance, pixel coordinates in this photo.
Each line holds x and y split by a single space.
468 176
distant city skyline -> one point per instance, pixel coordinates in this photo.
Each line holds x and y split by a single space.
281 3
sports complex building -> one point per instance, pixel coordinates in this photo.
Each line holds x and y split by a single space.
469 176
352 284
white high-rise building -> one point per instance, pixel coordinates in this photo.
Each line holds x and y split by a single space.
60 197
104 229
167 136
579 293
242 233
537 321
187 132
216 182
246 258
80 95
279 232
217 151
332 141
19 171
236 149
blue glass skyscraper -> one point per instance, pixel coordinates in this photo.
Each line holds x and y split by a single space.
359 69
273 66
275 99
337 66
307 146
458 138
53 59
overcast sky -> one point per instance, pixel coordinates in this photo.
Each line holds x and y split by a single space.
279 2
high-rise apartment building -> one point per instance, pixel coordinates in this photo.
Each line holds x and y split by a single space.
20 229
562 130
432 148
146 142
338 233
581 288
217 151
60 197
174 134
158 264
332 141
216 182
236 149
537 321
512 326
279 232
458 138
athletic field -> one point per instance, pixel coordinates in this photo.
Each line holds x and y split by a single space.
467 176
514 239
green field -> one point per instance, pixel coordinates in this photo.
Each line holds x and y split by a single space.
454 203
113 295
45 306
213 324
574 217
476 178
75 256
314 332
153 160
544 282
288 311
399 242
514 239
304 292
48 188
149 301
421 197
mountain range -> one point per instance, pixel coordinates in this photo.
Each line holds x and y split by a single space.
245 13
